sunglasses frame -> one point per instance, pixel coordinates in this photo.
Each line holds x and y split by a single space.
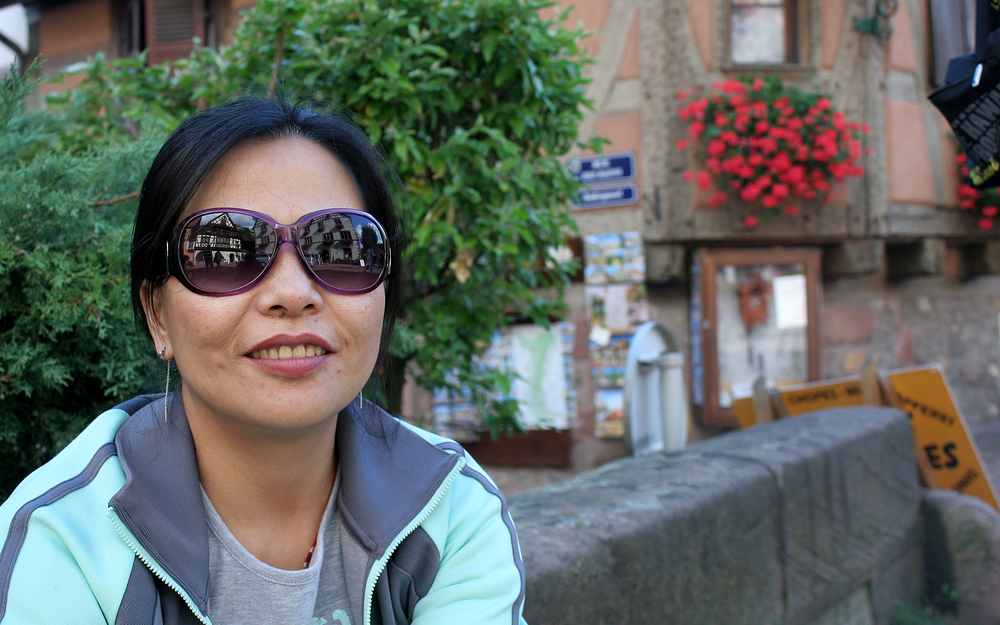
286 233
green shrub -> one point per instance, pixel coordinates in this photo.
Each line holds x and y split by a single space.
67 341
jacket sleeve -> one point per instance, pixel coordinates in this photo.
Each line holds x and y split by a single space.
62 561
57 565
480 578
46 585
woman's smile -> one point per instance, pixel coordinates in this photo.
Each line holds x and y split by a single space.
293 357
285 347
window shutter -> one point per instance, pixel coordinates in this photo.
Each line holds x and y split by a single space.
170 27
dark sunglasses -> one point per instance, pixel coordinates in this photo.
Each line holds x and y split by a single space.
225 251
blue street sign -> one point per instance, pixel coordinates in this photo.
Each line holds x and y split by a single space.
620 195
603 168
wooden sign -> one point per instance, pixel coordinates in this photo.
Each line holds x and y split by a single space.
947 456
802 398
940 431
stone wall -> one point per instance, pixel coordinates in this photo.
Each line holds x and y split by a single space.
917 321
812 520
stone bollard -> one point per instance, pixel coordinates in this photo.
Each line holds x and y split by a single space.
962 555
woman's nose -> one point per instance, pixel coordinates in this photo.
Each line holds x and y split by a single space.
288 288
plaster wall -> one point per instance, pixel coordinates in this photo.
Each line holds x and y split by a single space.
900 46
910 176
76 27
831 14
617 93
914 160
702 17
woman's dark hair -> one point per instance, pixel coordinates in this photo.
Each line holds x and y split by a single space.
200 143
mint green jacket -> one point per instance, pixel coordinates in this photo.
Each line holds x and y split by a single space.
113 530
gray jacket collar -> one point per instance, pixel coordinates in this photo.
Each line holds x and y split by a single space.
385 481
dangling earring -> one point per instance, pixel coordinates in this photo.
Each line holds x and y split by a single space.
166 387
361 397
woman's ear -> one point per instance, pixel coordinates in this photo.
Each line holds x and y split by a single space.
152 306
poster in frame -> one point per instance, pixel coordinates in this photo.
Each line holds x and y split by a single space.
759 317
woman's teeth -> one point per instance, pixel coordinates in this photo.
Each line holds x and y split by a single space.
285 352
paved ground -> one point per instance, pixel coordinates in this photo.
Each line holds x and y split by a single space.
512 480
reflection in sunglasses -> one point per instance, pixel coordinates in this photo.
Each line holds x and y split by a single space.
227 252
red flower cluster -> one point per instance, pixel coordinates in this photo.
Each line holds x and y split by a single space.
985 202
768 144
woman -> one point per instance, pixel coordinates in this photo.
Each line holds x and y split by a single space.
265 489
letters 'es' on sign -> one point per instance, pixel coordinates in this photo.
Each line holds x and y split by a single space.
940 430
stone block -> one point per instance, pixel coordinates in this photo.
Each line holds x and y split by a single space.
680 538
854 609
992 256
963 555
978 258
924 257
900 583
849 497
853 257
664 263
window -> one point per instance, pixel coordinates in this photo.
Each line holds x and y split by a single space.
953 32
764 32
164 27
170 27
131 33
755 313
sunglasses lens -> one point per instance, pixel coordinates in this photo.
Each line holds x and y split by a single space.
346 251
222 252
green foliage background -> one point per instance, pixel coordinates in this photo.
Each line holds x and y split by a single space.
67 342
472 101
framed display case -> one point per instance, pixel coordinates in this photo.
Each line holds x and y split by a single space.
757 315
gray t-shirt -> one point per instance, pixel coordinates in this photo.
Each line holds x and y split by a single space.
242 590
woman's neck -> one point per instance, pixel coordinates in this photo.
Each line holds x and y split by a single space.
271 489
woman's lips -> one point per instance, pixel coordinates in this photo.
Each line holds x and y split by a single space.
291 356
292 367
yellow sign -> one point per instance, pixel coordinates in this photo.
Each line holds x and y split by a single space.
940 430
803 398
946 454
807 397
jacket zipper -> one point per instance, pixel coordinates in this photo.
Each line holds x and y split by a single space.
113 516
414 524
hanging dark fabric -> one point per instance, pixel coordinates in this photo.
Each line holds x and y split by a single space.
970 98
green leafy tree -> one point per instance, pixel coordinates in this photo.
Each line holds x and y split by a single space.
472 101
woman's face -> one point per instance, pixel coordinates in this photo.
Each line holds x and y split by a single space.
225 347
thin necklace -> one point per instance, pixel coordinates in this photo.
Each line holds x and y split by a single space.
309 556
